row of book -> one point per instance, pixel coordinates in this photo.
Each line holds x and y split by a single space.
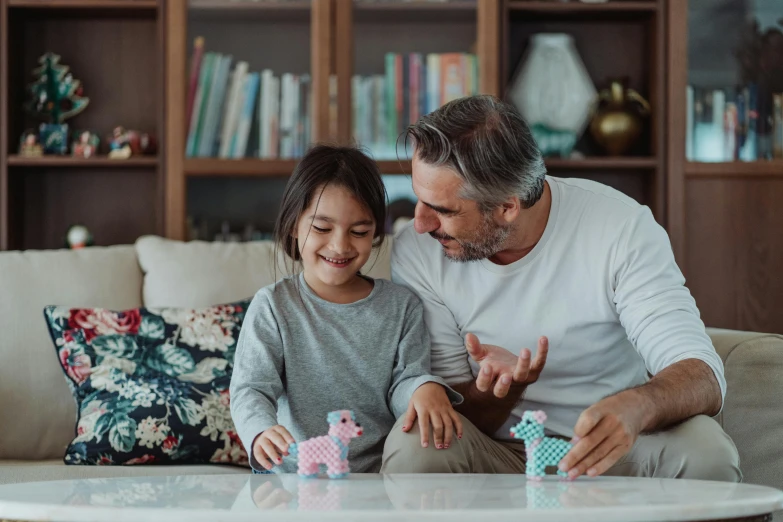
412 85
234 112
740 124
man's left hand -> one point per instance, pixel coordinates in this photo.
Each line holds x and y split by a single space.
603 434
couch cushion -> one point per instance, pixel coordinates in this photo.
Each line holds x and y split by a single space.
37 414
17 471
752 413
199 273
151 385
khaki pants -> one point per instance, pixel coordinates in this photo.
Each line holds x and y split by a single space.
695 449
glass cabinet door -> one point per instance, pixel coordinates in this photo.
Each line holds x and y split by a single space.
735 80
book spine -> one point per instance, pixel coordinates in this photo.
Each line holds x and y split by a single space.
433 82
246 117
233 108
202 94
195 71
451 80
391 99
689 123
777 125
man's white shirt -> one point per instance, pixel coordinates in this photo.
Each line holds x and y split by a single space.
601 284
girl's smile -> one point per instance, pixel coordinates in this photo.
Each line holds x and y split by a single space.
337 262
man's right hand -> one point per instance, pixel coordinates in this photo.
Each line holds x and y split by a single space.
498 365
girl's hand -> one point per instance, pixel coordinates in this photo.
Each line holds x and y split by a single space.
431 405
272 443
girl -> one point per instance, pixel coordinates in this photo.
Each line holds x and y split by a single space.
329 338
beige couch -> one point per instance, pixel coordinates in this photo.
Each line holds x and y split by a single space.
37 412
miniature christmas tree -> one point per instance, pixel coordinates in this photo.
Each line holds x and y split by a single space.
56 95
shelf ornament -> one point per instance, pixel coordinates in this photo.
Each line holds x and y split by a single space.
55 96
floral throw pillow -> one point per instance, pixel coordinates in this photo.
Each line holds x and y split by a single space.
151 385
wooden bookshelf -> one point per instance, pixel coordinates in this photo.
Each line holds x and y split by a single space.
115 49
138 52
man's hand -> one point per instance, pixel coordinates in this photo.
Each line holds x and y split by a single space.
604 433
431 405
500 366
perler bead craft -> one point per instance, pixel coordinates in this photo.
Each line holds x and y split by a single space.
541 451
330 450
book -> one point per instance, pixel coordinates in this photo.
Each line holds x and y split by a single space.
195 71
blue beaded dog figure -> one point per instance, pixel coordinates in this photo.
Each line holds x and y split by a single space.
541 451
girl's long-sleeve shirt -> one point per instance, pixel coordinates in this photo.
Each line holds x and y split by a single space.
300 357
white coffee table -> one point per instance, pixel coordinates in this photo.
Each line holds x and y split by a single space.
455 498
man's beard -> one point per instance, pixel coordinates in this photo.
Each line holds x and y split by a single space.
488 239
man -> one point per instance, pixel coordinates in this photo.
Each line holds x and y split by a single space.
504 257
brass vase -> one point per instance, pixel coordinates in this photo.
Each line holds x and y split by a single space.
618 118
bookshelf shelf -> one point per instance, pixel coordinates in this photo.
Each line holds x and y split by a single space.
86 4
68 161
250 167
223 5
414 11
604 163
266 11
579 7
737 169
394 166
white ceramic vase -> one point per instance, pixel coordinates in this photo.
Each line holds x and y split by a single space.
552 86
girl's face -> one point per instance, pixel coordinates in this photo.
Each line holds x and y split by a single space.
335 236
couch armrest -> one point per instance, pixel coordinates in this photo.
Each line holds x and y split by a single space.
753 412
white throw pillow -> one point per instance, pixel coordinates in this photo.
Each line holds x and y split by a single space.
199 273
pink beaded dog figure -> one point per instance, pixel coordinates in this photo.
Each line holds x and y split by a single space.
330 450
541 451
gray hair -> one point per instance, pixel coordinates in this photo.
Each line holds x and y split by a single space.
488 144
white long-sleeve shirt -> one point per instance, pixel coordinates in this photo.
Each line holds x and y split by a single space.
601 284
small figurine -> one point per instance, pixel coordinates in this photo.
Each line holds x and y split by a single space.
330 450
124 143
78 236
54 138
541 451
86 146
119 146
29 145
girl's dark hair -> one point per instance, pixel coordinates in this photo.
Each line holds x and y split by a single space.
324 165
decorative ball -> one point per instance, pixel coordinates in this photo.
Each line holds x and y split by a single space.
78 236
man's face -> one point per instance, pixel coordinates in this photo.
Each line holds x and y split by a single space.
466 233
